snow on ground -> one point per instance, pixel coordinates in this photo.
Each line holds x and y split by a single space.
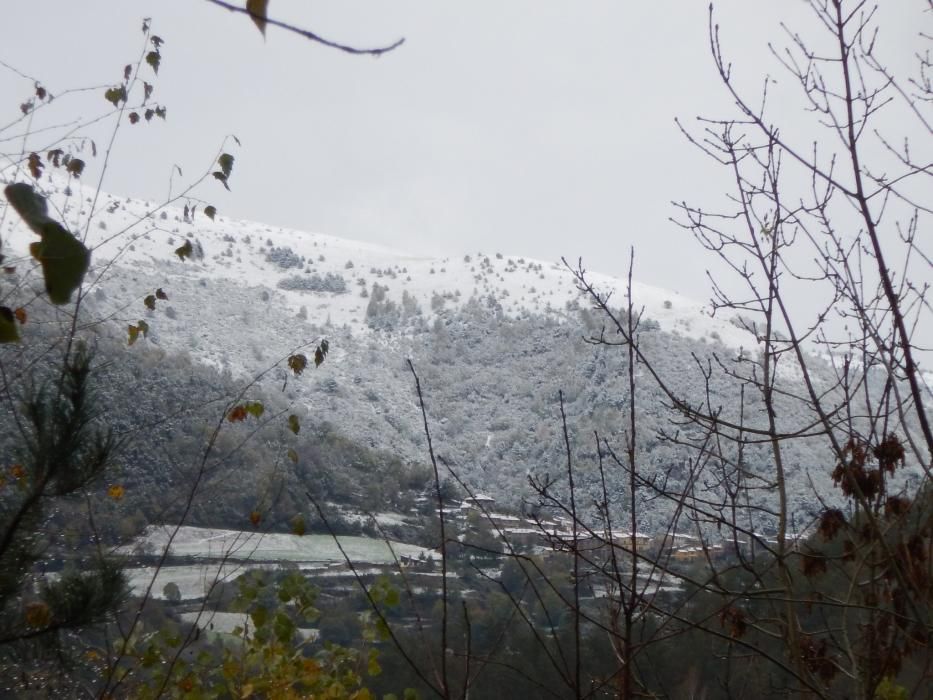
140 237
224 555
239 546
387 519
226 622
193 581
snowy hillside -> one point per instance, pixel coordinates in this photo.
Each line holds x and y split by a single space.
494 336
331 278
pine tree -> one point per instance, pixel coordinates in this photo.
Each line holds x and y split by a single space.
61 450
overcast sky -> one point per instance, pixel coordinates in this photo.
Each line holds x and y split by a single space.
530 127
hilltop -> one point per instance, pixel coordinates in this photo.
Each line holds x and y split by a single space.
493 335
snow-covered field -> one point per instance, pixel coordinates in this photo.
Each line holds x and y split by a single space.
239 546
193 581
225 622
228 554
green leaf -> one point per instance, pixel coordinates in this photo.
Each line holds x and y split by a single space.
372 667
210 211
116 95
143 328
888 689
257 11
149 301
154 58
63 257
259 615
151 657
284 628
382 629
293 424
184 251
133 334
9 332
392 597
226 163
254 408
297 525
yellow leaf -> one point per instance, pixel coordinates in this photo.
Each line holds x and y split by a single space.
311 670
297 363
257 12
116 492
38 614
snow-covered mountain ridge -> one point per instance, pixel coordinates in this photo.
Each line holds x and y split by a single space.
493 336
136 235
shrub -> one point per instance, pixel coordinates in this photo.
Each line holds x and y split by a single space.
330 282
284 257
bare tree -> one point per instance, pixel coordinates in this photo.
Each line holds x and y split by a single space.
775 599
836 213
